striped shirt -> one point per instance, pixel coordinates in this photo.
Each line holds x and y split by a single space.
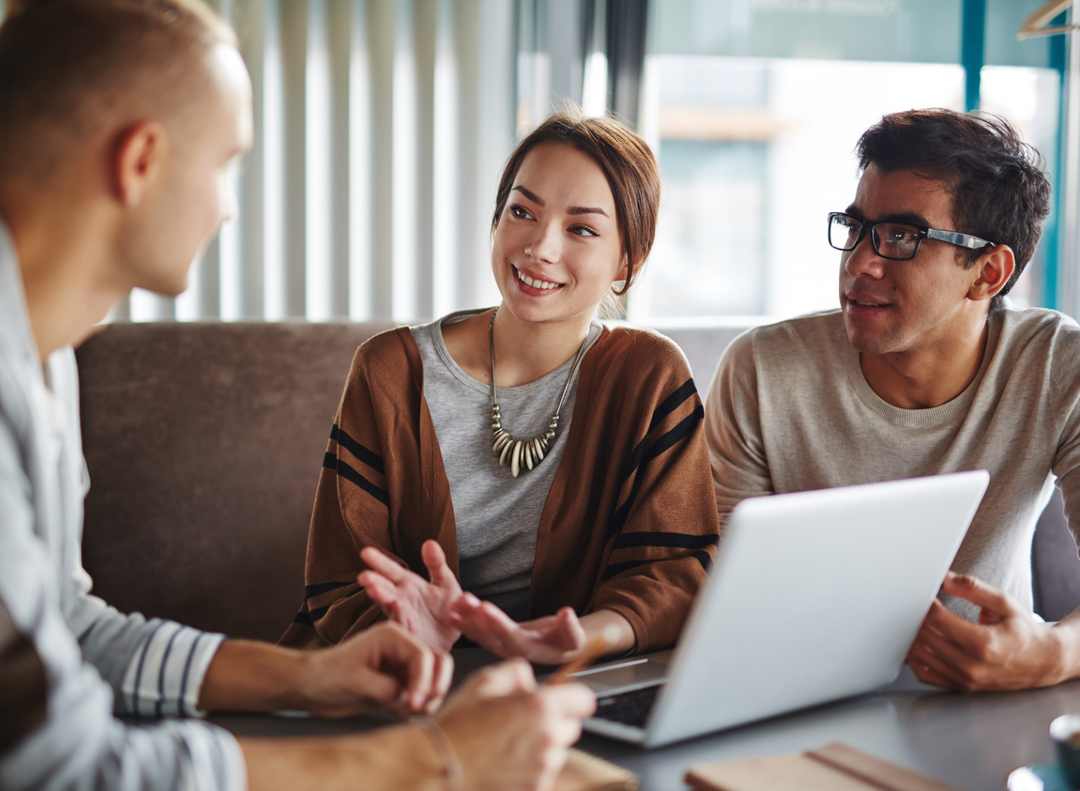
98 661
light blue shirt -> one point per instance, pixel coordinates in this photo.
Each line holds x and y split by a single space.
95 658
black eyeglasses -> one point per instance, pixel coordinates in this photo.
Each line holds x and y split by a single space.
895 240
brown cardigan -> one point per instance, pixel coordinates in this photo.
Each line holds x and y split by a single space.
629 525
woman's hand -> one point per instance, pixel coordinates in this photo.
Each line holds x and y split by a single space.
550 640
422 607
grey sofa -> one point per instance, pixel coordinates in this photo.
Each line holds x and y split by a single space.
204 443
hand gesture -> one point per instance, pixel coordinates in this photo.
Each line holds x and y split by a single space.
550 640
383 666
422 607
510 734
1006 649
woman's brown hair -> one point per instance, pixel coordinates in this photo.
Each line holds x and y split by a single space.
627 162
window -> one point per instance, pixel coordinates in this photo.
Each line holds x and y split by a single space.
754 108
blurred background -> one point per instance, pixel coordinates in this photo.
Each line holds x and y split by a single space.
382 125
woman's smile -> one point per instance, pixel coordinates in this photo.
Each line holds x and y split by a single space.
533 284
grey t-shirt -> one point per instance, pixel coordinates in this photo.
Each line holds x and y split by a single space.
790 410
497 515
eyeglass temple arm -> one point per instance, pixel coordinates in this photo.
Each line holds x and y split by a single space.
959 239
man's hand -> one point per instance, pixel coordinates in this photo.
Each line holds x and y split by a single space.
550 640
510 734
384 666
1007 649
505 732
422 607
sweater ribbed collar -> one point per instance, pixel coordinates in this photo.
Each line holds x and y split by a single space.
923 417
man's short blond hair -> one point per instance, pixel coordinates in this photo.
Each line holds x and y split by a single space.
69 68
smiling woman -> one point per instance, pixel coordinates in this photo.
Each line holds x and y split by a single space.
541 477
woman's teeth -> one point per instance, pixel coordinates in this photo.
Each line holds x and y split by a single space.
541 284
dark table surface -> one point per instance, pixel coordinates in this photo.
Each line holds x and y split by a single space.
969 741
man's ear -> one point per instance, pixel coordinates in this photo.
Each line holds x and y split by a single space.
995 269
138 160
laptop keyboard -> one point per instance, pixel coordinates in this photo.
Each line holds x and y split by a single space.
629 708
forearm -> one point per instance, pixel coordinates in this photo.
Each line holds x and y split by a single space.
250 676
390 759
615 629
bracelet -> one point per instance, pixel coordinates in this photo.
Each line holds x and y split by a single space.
452 771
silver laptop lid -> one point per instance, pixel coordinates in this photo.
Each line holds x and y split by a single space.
814 596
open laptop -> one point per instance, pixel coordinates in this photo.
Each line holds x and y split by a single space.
814 596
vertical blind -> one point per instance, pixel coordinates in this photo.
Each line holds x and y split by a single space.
380 130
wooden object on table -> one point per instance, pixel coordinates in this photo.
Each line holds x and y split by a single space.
585 772
835 767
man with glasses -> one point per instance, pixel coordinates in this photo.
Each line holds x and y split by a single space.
923 370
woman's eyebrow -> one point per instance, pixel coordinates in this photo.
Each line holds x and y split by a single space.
586 210
528 193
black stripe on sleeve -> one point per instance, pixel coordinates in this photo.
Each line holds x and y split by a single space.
681 540
187 670
618 568
612 569
371 459
161 675
685 427
309 618
142 663
332 462
311 591
671 403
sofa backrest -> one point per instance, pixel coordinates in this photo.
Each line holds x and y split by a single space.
204 443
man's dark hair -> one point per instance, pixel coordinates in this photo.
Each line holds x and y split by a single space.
999 189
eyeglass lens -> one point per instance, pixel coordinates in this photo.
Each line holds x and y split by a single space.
891 240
